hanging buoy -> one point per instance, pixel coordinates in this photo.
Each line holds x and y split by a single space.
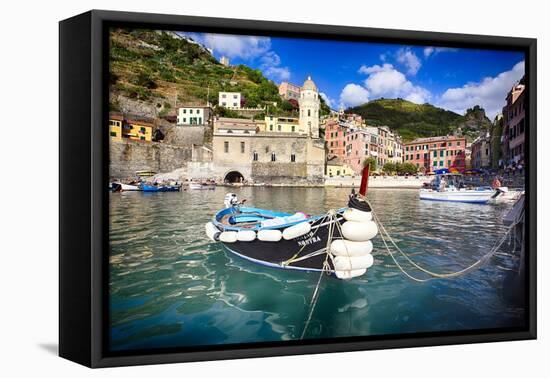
355 215
246 235
359 231
270 235
228 237
212 231
349 274
297 230
342 247
353 263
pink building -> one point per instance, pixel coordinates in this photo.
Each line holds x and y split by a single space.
335 137
429 154
513 135
360 144
289 91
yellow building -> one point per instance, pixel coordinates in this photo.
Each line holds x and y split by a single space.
281 124
137 130
115 127
336 168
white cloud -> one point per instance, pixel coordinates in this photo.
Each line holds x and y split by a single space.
408 58
353 95
233 46
270 65
489 93
386 81
328 100
431 51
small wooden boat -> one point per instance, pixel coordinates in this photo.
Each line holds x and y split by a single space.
338 242
160 188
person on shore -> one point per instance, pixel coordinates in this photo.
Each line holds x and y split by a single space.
496 183
442 184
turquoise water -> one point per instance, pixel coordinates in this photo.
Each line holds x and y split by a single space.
171 287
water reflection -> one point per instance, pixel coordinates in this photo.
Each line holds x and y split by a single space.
170 286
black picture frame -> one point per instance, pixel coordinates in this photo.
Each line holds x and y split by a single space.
83 179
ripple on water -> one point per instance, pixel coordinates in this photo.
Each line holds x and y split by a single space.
171 286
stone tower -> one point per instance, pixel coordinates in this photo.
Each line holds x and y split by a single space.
309 109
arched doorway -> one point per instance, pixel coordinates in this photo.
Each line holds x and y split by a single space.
233 177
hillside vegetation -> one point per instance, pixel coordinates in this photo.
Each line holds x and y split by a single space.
153 67
412 120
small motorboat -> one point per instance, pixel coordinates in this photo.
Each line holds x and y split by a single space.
160 188
448 187
337 242
201 186
120 187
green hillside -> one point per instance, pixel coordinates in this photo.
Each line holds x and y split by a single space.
154 67
412 120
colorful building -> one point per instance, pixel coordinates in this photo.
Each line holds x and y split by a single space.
513 135
289 91
360 144
137 130
337 168
281 124
335 138
115 126
481 152
429 154
194 115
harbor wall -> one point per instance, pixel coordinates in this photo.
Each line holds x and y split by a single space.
128 156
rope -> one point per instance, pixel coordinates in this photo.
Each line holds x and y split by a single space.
333 218
477 263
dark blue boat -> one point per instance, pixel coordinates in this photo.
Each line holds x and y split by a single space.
160 188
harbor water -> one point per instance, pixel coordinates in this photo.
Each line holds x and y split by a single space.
170 286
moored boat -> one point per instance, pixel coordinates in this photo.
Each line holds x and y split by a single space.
160 188
121 187
337 242
201 186
449 188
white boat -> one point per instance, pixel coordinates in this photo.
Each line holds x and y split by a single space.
120 187
453 194
201 186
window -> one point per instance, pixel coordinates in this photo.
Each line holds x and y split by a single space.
273 157
234 104
270 127
200 121
293 158
255 156
226 147
448 163
142 138
309 112
293 128
184 111
224 103
417 156
447 153
441 153
142 130
458 143
278 127
224 95
441 163
435 163
190 111
113 133
234 96
450 144
242 147
406 157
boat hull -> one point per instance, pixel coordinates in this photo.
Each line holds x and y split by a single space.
464 196
275 254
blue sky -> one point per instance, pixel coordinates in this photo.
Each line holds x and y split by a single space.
351 73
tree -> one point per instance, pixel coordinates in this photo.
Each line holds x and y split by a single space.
371 162
407 168
389 167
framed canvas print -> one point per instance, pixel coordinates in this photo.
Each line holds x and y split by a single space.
234 188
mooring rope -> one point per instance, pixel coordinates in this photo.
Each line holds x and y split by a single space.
469 268
333 218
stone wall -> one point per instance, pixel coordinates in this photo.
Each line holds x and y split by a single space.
127 157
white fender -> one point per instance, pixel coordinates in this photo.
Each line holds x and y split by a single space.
359 231
342 247
270 235
349 274
246 235
297 230
211 231
353 263
228 237
355 215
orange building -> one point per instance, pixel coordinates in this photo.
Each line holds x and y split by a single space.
429 154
